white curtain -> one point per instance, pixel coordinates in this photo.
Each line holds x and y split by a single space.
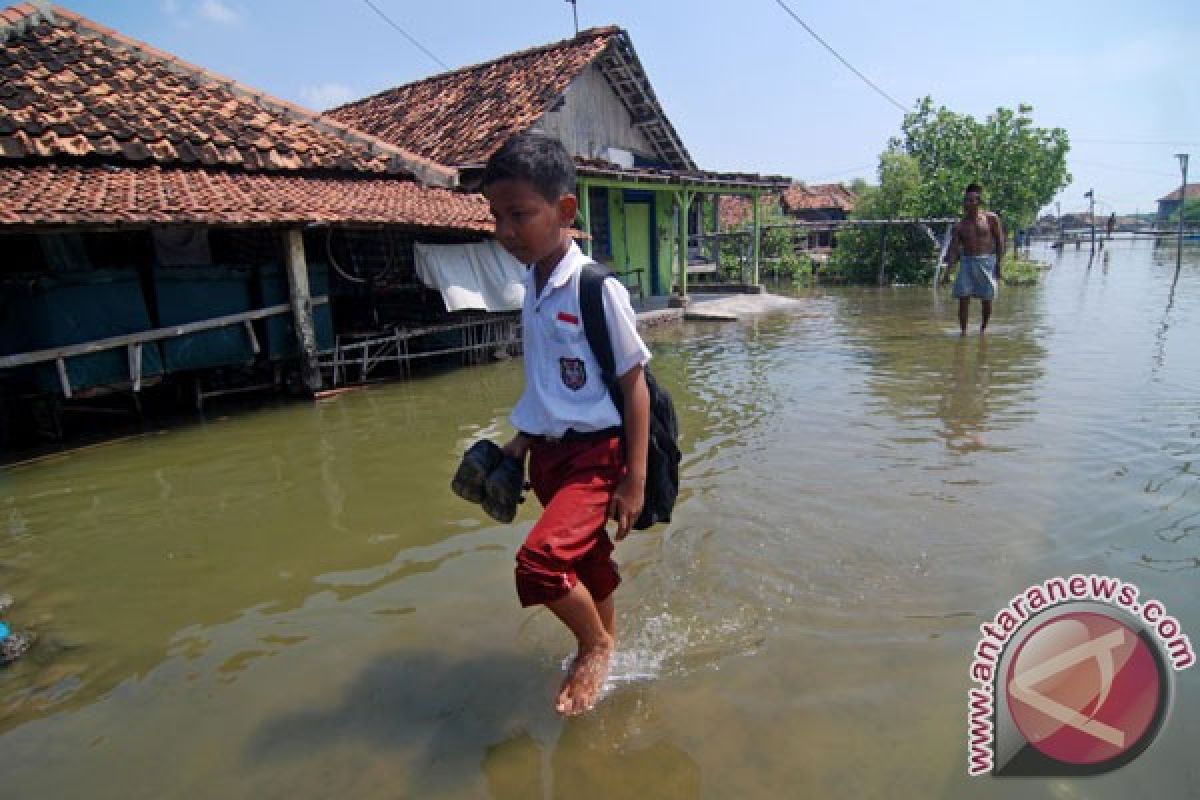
481 275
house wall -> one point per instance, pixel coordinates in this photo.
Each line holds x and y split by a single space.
592 119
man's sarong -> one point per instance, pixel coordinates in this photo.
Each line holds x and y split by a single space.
976 277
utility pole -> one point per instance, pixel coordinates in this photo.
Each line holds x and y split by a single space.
1058 216
575 11
1183 159
1091 196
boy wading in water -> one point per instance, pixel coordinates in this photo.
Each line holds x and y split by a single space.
585 465
978 239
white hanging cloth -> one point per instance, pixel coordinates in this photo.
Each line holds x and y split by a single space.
481 275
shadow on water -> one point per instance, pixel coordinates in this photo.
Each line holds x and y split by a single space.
441 714
589 762
402 702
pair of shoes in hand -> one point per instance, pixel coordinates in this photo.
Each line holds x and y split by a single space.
488 477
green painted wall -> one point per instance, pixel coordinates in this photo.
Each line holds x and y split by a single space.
664 235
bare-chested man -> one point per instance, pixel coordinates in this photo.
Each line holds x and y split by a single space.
978 241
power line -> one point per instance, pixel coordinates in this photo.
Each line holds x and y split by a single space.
1102 165
406 35
837 55
1136 141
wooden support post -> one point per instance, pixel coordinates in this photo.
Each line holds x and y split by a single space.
63 380
249 327
585 211
134 351
757 235
297 269
683 200
945 248
882 253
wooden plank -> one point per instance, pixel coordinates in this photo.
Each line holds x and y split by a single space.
153 335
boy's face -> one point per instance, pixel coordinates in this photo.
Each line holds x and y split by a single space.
529 226
971 202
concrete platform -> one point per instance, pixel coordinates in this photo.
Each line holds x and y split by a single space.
715 306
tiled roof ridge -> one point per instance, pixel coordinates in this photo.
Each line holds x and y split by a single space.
15 20
580 38
426 170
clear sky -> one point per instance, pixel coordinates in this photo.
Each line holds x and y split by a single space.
747 87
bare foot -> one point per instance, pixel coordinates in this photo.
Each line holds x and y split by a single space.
584 680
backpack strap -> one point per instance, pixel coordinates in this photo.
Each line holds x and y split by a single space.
595 327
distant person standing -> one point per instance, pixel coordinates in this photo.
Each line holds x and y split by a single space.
978 243
1112 224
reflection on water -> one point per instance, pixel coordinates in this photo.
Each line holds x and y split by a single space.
292 602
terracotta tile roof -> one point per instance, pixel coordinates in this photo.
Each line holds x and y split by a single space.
462 117
738 210
98 129
818 196
1193 191
57 194
73 88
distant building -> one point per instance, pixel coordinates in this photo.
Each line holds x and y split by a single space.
1168 204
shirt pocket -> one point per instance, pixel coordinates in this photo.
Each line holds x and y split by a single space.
565 332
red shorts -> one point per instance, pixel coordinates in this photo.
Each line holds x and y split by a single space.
574 482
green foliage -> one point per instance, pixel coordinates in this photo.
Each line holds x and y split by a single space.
777 247
1191 212
1020 272
1020 166
910 251
924 172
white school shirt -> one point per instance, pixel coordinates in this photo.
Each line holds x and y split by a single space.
563 384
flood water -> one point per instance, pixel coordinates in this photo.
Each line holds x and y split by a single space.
292 602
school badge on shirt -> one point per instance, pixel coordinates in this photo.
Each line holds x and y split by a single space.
574 376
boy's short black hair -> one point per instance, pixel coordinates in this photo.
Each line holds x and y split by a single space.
973 187
535 157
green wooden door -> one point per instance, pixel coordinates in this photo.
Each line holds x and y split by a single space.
639 250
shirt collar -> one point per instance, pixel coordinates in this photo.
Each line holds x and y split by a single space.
571 261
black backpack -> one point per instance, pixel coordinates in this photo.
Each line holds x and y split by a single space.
662 453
